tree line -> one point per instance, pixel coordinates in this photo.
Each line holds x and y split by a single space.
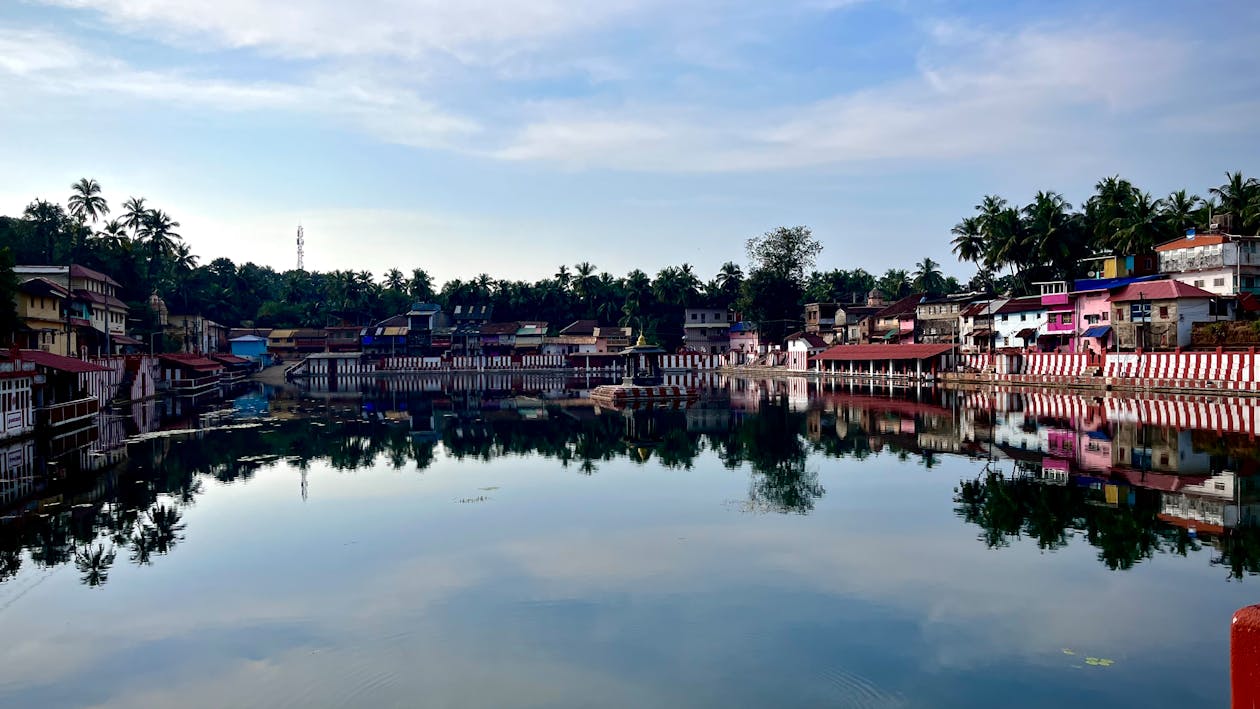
1013 246
140 246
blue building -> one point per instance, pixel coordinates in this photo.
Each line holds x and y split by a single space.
252 348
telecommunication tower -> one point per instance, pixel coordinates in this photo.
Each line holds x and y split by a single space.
301 242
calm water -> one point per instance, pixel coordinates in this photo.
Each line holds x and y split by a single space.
498 542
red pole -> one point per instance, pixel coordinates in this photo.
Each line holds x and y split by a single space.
1244 658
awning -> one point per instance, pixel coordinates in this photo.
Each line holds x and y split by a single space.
1098 331
124 340
1027 333
981 333
888 335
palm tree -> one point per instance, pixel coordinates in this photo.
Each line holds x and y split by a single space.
968 242
1180 210
928 277
113 234
893 284
1239 196
394 280
729 279
48 220
134 212
563 277
420 285
1141 227
86 203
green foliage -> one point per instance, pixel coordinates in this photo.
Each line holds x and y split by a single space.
9 322
1045 239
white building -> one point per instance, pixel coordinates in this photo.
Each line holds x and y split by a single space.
1019 322
707 330
1220 263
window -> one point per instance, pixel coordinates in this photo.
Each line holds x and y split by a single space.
1218 282
1198 283
1003 318
1023 317
1120 315
1163 312
1219 486
1066 318
1140 311
693 316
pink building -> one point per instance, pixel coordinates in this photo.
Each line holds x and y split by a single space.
1059 334
1093 318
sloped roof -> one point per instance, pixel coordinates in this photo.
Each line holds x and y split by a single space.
1158 290
58 362
581 327
532 328
77 271
43 287
905 306
500 328
191 361
1189 242
1021 305
863 353
811 338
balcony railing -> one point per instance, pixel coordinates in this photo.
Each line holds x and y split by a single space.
69 412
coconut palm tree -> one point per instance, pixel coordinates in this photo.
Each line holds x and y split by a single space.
968 242
394 280
113 234
563 277
1180 210
928 277
86 203
420 285
134 212
1141 227
1239 196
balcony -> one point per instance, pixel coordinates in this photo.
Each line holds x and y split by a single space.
64 414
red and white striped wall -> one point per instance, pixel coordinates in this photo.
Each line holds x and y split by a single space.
692 361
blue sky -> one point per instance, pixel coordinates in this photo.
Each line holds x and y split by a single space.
510 137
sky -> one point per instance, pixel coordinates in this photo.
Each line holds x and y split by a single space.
509 137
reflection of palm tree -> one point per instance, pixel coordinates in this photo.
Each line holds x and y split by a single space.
94 563
141 548
164 527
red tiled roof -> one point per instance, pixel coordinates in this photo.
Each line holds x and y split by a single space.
1189 242
100 298
1158 290
863 353
229 359
58 362
811 338
77 271
191 361
901 307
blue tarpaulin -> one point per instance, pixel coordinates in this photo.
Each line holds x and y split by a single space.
1099 331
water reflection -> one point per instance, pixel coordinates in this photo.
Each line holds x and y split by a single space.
1055 469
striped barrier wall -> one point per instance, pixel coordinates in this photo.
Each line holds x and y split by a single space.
1228 371
692 361
344 367
1055 364
978 362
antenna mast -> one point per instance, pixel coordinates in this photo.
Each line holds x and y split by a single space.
301 243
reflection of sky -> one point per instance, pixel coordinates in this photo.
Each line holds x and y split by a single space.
637 586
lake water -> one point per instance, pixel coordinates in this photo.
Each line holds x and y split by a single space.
496 541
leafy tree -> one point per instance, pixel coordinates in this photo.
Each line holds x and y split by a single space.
9 321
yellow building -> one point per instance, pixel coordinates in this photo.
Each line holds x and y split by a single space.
42 307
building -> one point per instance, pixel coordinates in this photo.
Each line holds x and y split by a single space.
1217 262
745 339
93 297
49 323
975 325
853 322
428 330
610 339
895 323
250 347
343 338
707 330
196 333
387 338
569 344
801 346
821 317
499 338
937 318
1161 314
529 336
284 343
1102 267
1018 322
467 321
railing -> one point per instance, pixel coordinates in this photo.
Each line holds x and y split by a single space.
193 384
69 412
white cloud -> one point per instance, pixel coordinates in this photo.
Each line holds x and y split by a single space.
473 30
968 99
